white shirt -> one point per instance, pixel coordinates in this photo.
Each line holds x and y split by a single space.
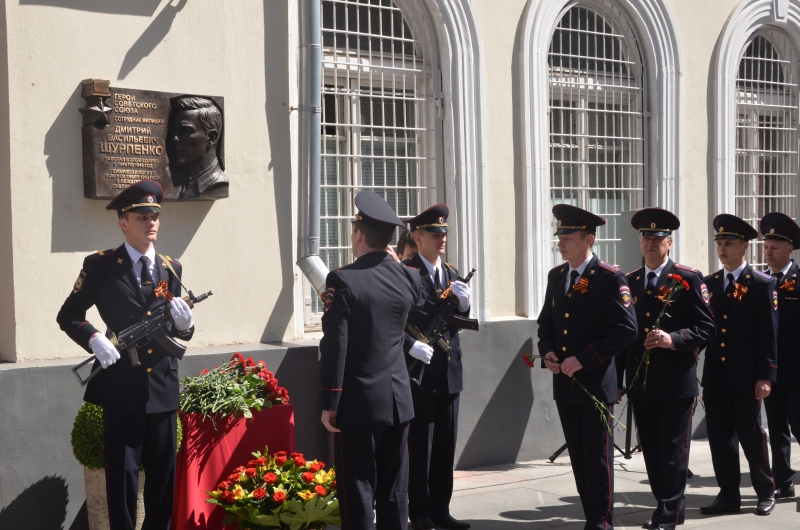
137 265
735 273
658 270
580 269
432 270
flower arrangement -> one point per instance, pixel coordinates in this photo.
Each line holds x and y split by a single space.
235 387
88 436
667 297
605 413
279 492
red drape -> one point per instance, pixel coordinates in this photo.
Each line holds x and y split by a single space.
209 455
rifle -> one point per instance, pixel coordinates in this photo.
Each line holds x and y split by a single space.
443 315
151 327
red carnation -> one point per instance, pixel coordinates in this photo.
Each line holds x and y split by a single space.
307 477
204 372
270 478
296 454
333 486
250 362
240 469
280 460
527 360
250 472
251 463
228 496
234 478
279 497
319 490
237 357
280 453
299 461
271 386
685 285
259 493
314 467
261 461
224 485
284 394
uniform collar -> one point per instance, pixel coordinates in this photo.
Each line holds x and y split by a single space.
658 270
784 271
431 267
582 267
136 255
736 273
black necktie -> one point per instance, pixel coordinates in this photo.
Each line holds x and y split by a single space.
651 281
147 279
437 282
731 284
778 277
573 277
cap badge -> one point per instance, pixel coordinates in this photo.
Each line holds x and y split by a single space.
441 220
559 222
771 230
721 228
149 198
652 225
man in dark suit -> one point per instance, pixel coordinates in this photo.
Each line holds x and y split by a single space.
664 401
432 437
586 320
739 368
366 398
139 402
781 236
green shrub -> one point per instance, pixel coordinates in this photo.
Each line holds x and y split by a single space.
87 436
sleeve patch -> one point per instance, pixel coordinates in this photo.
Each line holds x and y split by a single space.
327 297
775 300
79 282
625 296
704 293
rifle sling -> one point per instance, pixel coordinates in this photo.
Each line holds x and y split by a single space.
167 264
416 334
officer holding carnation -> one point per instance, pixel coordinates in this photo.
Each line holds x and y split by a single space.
673 317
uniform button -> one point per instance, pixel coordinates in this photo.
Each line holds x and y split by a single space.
149 370
722 345
647 314
444 328
725 317
448 357
447 341
563 348
724 330
566 315
149 313
647 330
723 359
150 351
565 332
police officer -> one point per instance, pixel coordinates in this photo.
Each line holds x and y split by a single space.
586 320
139 402
781 236
739 367
366 398
432 438
663 402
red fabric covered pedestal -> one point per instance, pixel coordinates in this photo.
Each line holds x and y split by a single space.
208 456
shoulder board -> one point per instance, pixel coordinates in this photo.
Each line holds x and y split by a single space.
762 274
102 253
609 267
410 267
558 266
344 267
172 260
633 272
452 268
685 267
709 277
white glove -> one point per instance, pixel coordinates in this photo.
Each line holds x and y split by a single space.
464 294
105 352
421 351
181 314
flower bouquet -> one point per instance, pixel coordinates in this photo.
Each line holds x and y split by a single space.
666 297
279 492
235 387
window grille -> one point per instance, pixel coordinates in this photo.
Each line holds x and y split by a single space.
377 128
766 132
596 111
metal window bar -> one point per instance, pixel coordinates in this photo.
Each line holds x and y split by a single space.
596 119
377 117
766 132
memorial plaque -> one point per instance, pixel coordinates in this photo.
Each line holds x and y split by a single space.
131 135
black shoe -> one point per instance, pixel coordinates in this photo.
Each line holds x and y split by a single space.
648 525
423 523
718 506
447 521
765 506
785 492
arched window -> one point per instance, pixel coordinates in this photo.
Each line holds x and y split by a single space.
596 119
766 131
379 116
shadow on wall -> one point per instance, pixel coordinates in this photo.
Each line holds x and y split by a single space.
139 8
277 113
26 511
502 424
83 225
151 37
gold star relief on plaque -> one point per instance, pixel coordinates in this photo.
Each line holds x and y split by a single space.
119 261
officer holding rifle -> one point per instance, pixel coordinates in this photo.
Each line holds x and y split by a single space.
432 436
139 402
